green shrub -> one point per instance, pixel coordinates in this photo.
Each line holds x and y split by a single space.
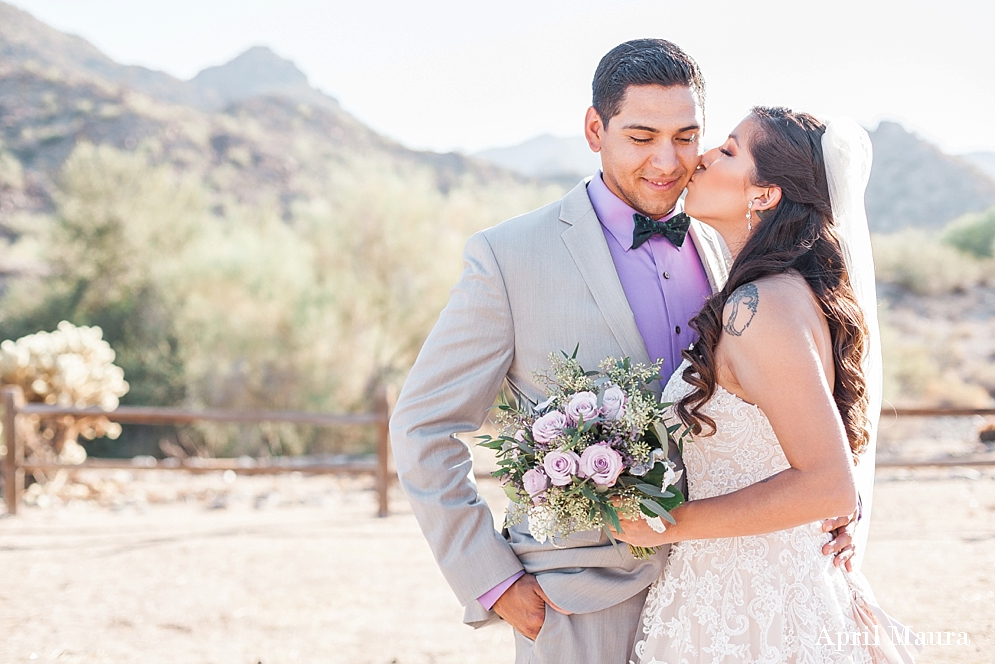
918 261
220 304
973 234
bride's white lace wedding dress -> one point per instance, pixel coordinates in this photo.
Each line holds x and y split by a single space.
770 598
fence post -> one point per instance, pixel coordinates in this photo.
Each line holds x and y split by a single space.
383 451
13 473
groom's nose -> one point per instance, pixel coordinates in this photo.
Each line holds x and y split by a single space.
664 159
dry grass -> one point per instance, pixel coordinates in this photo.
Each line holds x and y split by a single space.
293 569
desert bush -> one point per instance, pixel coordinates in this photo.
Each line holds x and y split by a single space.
214 303
11 171
71 366
319 312
920 262
908 367
972 234
119 233
927 369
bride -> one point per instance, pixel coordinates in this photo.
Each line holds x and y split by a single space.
775 393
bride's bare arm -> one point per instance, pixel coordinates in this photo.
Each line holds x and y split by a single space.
774 352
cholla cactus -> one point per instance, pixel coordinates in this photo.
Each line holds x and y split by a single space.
72 366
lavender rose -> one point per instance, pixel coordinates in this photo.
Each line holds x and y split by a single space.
548 427
561 467
613 403
583 405
535 484
602 464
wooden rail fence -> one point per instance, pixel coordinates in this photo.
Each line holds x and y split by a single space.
949 461
14 465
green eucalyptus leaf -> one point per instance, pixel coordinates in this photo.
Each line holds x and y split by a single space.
655 508
513 493
651 490
655 475
662 433
611 516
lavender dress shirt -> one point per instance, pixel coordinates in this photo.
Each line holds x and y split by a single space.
665 286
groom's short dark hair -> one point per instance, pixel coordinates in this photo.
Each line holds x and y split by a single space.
643 62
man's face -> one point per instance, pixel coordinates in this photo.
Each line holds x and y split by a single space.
651 148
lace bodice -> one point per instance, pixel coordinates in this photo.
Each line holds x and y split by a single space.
744 600
743 451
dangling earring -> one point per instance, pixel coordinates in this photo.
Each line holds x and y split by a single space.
749 217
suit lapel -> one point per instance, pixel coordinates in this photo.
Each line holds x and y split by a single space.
586 243
713 254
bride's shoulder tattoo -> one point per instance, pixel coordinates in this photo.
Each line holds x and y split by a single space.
742 308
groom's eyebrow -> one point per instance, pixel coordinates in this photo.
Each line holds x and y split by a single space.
654 130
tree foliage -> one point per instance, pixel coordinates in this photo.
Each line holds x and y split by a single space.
210 302
973 234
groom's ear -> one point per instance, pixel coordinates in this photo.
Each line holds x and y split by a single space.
594 129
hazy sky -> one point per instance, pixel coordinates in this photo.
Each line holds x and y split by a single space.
460 74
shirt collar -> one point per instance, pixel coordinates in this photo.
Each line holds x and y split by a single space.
615 214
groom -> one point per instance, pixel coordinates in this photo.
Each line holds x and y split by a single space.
616 267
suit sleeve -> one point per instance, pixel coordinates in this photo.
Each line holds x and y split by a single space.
450 388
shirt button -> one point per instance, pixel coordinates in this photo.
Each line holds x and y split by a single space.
666 275
678 329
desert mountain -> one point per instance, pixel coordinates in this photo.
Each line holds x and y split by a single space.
258 72
912 182
983 161
27 43
547 156
252 129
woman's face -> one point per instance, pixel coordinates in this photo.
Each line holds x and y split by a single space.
721 189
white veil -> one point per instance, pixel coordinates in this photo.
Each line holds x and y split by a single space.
846 149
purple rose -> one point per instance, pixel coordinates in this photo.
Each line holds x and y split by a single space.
583 405
613 403
602 464
535 484
548 427
520 435
561 467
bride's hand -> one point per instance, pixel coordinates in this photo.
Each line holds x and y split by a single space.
639 533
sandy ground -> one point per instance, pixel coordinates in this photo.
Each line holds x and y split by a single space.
296 569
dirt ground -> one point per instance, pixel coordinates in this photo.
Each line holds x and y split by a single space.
178 568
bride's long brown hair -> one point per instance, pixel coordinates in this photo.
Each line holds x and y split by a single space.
796 235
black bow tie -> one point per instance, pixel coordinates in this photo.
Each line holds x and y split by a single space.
674 229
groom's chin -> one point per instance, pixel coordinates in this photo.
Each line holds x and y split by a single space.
657 206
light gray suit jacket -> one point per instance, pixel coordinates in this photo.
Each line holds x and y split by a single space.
533 285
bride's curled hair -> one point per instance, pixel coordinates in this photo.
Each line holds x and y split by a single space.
799 235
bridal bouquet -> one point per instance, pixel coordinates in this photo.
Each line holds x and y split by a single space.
594 451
